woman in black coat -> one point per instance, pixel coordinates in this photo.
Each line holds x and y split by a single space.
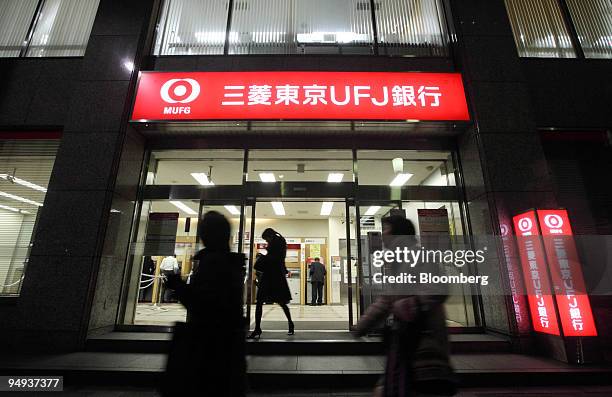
207 355
272 284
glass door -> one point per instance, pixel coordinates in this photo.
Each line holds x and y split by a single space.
315 232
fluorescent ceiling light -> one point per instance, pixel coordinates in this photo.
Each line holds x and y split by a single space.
5 207
400 179
202 179
335 177
23 182
372 210
180 205
326 208
267 177
18 198
232 209
278 208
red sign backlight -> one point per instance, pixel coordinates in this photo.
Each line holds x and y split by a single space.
537 285
566 273
176 96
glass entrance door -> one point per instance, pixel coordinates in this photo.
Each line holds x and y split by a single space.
316 263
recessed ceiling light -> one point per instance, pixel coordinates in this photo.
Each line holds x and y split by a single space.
400 179
202 179
372 210
232 209
23 182
278 208
326 208
335 177
180 205
267 177
18 198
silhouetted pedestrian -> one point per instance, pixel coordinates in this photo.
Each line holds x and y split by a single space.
417 342
207 356
272 284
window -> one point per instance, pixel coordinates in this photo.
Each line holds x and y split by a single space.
15 19
192 27
593 22
45 28
199 27
539 29
25 169
301 26
414 25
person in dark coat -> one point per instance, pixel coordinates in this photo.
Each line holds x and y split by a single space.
317 279
272 284
417 342
207 356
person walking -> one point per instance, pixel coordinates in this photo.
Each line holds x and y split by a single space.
272 284
418 362
317 279
207 355
169 266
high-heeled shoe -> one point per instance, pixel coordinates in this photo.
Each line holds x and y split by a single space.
291 329
256 334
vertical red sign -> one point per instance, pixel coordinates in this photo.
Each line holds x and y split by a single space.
566 273
537 285
515 279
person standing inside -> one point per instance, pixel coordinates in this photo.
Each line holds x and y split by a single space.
168 267
272 284
207 355
317 279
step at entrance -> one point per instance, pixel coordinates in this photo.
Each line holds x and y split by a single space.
302 343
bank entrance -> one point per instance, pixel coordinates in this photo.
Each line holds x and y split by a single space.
328 204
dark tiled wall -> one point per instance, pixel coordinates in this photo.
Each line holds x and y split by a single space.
36 92
74 276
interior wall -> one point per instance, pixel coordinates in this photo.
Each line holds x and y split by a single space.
9 233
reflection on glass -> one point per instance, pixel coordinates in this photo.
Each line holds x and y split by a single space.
196 167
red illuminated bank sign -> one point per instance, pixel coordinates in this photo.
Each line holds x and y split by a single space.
300 96
548 254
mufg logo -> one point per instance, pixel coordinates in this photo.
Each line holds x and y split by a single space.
525 225
179 92
554 223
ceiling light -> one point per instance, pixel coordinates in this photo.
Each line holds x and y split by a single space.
372 210
326 208
267 177
23 182
278 208
180 205
232 209
335 177
4 207
400 179
18 198
202 179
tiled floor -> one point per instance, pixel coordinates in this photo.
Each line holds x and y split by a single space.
326 316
